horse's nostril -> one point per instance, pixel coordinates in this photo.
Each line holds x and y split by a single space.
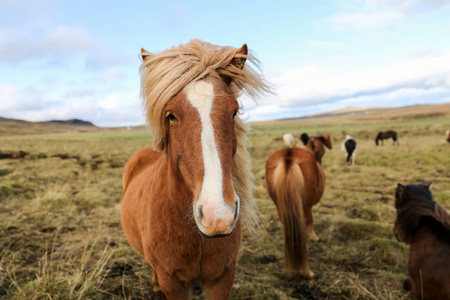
200 213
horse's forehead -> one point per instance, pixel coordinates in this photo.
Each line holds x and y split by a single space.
208 95
200 94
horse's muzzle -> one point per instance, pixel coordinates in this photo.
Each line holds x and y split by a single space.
214 225
215 236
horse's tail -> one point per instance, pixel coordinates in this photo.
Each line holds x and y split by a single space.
288 139
289 187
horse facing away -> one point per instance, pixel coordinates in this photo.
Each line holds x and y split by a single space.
295 182
349 146
384 135
182 198
425 225
316 145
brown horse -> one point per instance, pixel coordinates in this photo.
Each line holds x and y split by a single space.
295 181
448 135
182 199
316 145
425 225
384 135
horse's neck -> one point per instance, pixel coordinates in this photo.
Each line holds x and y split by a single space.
179 195
424 240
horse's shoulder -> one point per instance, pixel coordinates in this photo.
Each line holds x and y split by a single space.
137 162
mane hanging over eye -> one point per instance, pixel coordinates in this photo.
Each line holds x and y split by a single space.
165 74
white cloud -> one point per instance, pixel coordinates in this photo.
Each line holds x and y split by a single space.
66 39
113 109
18 47
359 21
14 98
381 13
109 75
414 81
321 43
408 6
106 58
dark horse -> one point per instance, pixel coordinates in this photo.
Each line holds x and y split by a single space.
425 225
304 138
384 135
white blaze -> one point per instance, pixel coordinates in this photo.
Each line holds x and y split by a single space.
201 95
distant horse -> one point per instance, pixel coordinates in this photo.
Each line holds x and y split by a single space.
349 146
192 186
448 135
316 145
288 139
304 138
425 225
295 182
383 135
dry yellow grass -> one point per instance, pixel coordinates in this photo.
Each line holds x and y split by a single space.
60 233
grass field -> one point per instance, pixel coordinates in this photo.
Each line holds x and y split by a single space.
61 237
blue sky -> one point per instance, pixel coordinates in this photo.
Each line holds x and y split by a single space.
79 59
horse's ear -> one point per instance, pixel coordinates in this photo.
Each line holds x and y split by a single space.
145 54
428 185
399 191
398 195
241 56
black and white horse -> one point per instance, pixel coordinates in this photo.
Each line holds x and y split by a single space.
349 146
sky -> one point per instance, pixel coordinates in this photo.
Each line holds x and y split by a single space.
79 59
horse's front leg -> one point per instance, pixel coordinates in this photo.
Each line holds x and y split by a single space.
220 288
168 286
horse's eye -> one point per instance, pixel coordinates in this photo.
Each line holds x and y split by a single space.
234 114
172 117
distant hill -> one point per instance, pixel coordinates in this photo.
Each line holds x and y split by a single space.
72 122
20 127
347 111
427 111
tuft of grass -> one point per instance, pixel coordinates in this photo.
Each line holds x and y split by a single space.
67 278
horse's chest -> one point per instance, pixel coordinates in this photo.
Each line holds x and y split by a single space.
189 256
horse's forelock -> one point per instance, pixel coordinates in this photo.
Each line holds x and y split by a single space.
165 74
416 202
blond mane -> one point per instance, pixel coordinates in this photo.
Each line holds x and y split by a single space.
165 74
